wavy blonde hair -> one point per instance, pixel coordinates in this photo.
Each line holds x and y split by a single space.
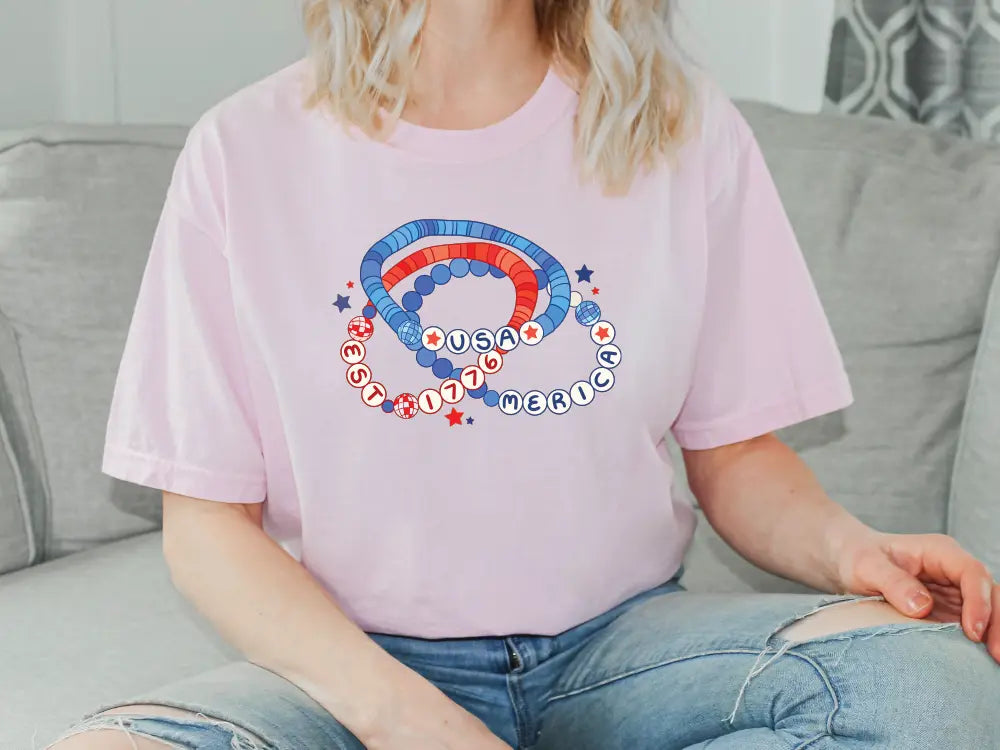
635 102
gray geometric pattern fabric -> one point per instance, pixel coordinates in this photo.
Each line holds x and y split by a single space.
936 62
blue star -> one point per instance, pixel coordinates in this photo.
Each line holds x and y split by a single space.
583 275
343 303
470 420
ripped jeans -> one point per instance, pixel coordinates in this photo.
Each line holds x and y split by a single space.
664 670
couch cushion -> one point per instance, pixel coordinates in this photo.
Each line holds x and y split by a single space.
22 488
900 229
91 628
975 490
78 207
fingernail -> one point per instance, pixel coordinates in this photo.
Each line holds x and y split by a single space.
918 601
978 629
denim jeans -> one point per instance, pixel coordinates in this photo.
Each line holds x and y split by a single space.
664 670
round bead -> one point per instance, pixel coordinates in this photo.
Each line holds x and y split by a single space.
442 368
441 274
426 358
423 285
490 362
588 313
452 391
373 394
511 402
531 333
472 378
360 328
359 375
433 338
352 352
430 401
405 406
602 332
535 403
412 301
410 333
609 356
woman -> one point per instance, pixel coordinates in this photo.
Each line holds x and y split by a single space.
468 541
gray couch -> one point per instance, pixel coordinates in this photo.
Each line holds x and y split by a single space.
901 229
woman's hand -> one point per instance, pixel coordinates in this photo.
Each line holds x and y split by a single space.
924 575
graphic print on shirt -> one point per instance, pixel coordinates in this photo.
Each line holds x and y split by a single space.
485 250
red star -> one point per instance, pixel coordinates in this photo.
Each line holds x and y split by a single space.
595 290
455 418
433 339
603 333
531 332
350 284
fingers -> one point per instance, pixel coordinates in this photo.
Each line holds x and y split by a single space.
993 639
945 561
947 602
977 599
900 589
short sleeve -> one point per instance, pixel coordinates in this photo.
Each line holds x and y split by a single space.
766 356
181 416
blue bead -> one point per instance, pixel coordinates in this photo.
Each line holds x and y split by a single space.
543 278
492 398
549 263
410 332
371 268
457 373
412 301
480 392
588 312
546 323
459 267
415 317
426 358
496 272
423 285
369 311
387 406
479 268
442 368
441 274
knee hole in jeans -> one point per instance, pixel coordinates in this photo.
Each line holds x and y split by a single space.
121 718
842 617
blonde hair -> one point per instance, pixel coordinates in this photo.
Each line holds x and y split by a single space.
635 102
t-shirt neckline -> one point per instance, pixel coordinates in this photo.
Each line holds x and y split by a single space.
548 102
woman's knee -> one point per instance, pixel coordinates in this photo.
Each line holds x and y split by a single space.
912 680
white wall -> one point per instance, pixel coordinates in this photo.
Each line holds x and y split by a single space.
29 79
771 50
139 61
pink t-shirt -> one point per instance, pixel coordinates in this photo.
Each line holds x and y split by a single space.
450 368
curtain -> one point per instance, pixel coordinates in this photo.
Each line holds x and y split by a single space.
932 61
